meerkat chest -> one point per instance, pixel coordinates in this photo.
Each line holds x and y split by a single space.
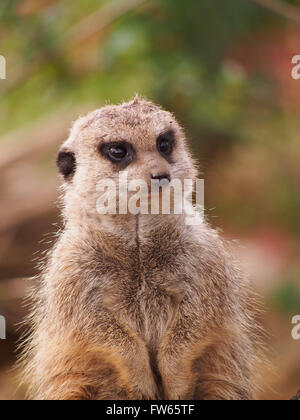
157 301
146 293
161 271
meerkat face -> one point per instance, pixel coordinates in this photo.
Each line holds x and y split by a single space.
137 137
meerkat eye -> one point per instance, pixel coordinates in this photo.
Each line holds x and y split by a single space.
165 146
165 143
120 153
117 153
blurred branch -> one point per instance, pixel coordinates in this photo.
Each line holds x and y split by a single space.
284 10
99 20
37 138
37 201
12 289
28 7
5 242
12 292
81 32
24 195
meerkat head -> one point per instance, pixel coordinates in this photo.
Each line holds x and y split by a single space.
137 137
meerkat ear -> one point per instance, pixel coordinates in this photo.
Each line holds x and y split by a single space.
66 163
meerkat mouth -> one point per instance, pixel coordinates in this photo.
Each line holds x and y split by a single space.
161 179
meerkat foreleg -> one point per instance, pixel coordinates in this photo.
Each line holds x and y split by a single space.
225 372
112 364
211 367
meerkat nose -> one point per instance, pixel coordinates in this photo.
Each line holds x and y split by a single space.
161 177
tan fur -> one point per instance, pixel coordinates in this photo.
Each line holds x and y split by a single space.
137 307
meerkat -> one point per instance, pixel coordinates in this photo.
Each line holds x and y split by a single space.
136 306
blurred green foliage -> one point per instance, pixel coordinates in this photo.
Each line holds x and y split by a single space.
183 56
169 51
286 298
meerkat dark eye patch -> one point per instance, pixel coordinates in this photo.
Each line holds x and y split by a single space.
165 144
120 153
66 163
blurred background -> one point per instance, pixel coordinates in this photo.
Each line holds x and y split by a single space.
224 68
